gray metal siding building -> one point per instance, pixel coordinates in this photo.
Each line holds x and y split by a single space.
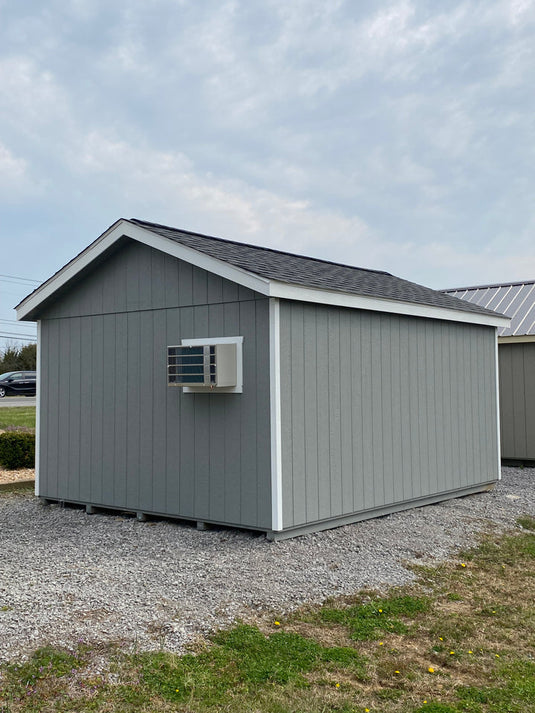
362 393
516 350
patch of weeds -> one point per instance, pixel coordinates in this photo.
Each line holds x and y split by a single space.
208 677
240 660
436 708
389 694
46 663
283 656
452 628
366 621
526 522
515 694
454 597
507 550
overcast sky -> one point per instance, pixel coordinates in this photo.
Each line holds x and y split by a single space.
391 135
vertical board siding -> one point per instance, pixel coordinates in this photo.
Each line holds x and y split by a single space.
378 409
135 277
114 434
517 400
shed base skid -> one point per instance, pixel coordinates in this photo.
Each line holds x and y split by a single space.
145 515
377 512
519 462
275 536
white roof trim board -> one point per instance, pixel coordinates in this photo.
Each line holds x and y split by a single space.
167 240
514 299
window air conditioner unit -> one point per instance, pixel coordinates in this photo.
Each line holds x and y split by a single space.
200 365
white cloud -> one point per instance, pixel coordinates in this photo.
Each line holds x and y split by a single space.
167 183
12 171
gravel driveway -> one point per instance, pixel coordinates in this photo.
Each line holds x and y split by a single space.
66 576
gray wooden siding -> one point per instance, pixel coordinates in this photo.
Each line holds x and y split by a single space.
113 433
135 277
517 400
380 409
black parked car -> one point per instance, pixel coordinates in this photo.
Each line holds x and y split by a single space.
18 383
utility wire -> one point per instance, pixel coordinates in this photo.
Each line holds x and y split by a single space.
23 279
13 321
13 334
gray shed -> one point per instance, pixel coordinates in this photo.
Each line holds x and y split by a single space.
204 379
516 351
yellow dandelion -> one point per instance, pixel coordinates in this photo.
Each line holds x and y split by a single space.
431 669
463 564
396 671
366 710
497 656
176 690
451 653
380 643
441 639
470 652
337 685
380 611
277 623
425 701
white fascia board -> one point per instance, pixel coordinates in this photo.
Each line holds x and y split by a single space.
286 291
124 228
517 340
275 414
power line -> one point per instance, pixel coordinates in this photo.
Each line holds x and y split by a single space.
24 279
14 321
21 336
18 339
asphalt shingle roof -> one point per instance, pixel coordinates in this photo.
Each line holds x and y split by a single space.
312 272
515 299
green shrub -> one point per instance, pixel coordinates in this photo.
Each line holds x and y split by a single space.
17 450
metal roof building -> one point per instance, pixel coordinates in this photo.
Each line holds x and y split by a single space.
516 361
203 379
514 299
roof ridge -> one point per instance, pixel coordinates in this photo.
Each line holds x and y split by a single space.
486 287
260 247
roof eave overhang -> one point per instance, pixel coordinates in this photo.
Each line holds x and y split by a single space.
125 229
517 339
29 307
376 304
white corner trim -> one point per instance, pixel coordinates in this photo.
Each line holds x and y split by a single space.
124 228
497 367
286 291
238 389
275 415
38 408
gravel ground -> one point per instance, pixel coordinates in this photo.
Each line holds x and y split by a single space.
66 576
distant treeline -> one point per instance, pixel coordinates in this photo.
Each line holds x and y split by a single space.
18 358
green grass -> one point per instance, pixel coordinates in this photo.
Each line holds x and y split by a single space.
460 640
17 416
527 522
375 618
240 661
